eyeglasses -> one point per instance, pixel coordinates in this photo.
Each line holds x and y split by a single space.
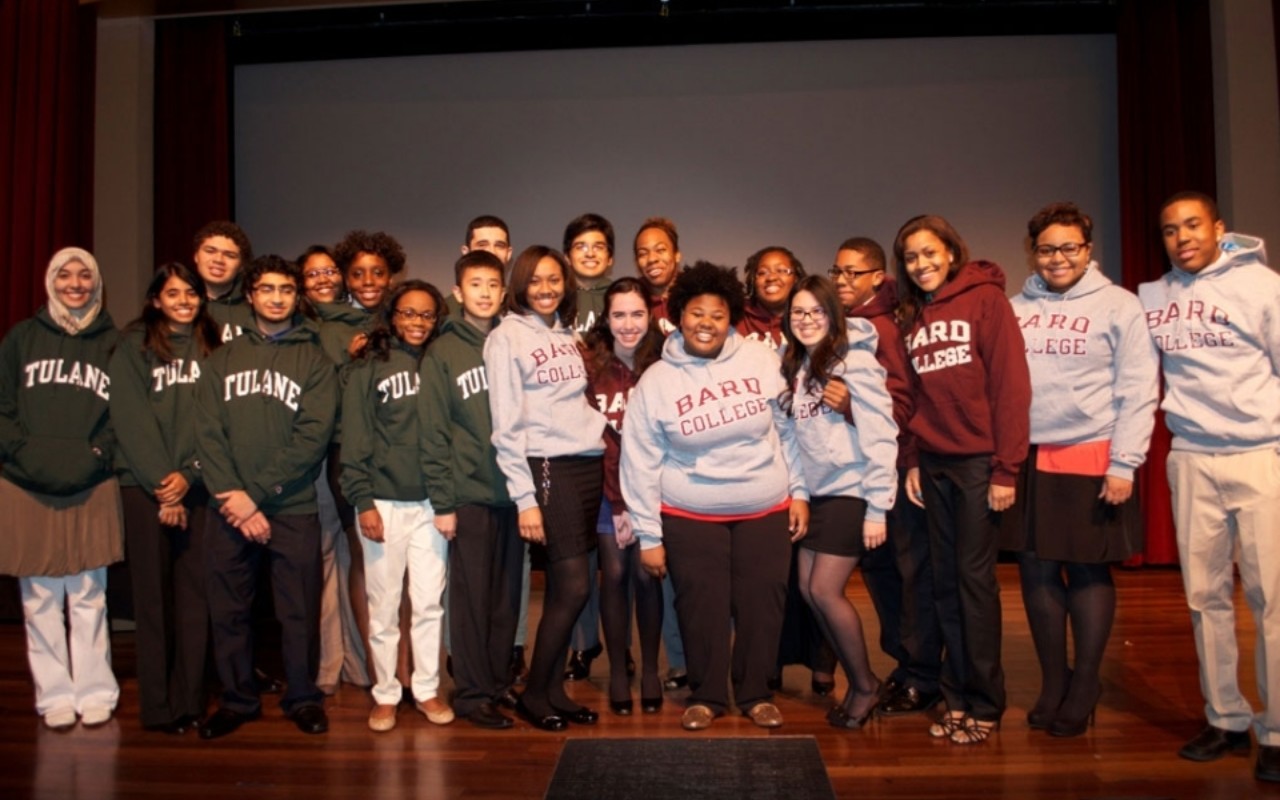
408 315
312 274
817 314
769 272
849 273
267 289
590 247
1068 250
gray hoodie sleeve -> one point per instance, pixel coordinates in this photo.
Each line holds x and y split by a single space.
506 406
640 467
876 432
1137 372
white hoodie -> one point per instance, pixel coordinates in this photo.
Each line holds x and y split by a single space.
707 436
1218 332
850 460
1094 371
538 399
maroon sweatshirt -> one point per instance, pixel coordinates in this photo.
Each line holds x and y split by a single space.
891 352
609 391
758 324
970 380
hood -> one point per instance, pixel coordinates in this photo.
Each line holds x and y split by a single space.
673 351
464 330
760 315
1236 249
531 321
233 296
1091 281
341 312
73 321
303 330
884 301
975 273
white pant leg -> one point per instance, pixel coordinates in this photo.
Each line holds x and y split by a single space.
1254 498
91 673
428 568
42 604
384 568
1206 542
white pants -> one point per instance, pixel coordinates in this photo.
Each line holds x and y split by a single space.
1223 506
410 542
78 677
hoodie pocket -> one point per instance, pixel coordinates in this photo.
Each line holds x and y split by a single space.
59 465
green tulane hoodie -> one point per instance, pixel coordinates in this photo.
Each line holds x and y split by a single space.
55 432
153 409
339 323
264 415
458 458
380 454
231 312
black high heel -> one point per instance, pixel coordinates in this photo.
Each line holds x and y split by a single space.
651 705
549 722
1040 717
822 688
1065 725
621 707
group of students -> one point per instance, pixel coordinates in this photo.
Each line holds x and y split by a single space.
729 439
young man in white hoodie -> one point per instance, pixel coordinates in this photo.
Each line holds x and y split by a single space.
1215 318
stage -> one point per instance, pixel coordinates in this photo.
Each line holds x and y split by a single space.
1150 705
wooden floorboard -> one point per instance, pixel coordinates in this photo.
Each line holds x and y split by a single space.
1150 705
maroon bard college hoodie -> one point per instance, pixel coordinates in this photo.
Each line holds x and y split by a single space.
969 372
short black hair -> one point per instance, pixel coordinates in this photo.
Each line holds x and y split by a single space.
485 221
1200 197
476 259
378 243
869 248
271 263
232 231
585 224
1065 214
707 278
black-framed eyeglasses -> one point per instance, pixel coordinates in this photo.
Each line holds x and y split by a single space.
1069 250
817 314
849 273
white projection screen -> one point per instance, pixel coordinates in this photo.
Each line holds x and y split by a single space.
796 144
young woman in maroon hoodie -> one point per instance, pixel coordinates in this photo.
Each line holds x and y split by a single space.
971 422
624 341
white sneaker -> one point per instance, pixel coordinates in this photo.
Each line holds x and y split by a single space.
60 719
93 716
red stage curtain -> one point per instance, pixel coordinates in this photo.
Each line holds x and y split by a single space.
1165 76
47 52
193 132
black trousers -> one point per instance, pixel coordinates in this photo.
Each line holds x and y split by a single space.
172 615
486 560
899 578
730 580
963 541
232 565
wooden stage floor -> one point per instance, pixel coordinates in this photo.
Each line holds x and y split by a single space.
1150 705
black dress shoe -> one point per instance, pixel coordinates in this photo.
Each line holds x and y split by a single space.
908 700
579 667
1213 743
651 705
266 683
578 716
621 707
175 727
675 680
1267 767
225 721
508 699
550 722
487 715
310 719
822 688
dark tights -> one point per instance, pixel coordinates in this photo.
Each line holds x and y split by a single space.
1088 597
567 589
620 572
823 578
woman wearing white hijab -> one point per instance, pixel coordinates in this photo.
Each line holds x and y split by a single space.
62 525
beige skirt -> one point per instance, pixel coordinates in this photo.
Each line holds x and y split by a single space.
43 534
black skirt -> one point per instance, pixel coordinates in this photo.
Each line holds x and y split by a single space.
835 526
1060 517
568 490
